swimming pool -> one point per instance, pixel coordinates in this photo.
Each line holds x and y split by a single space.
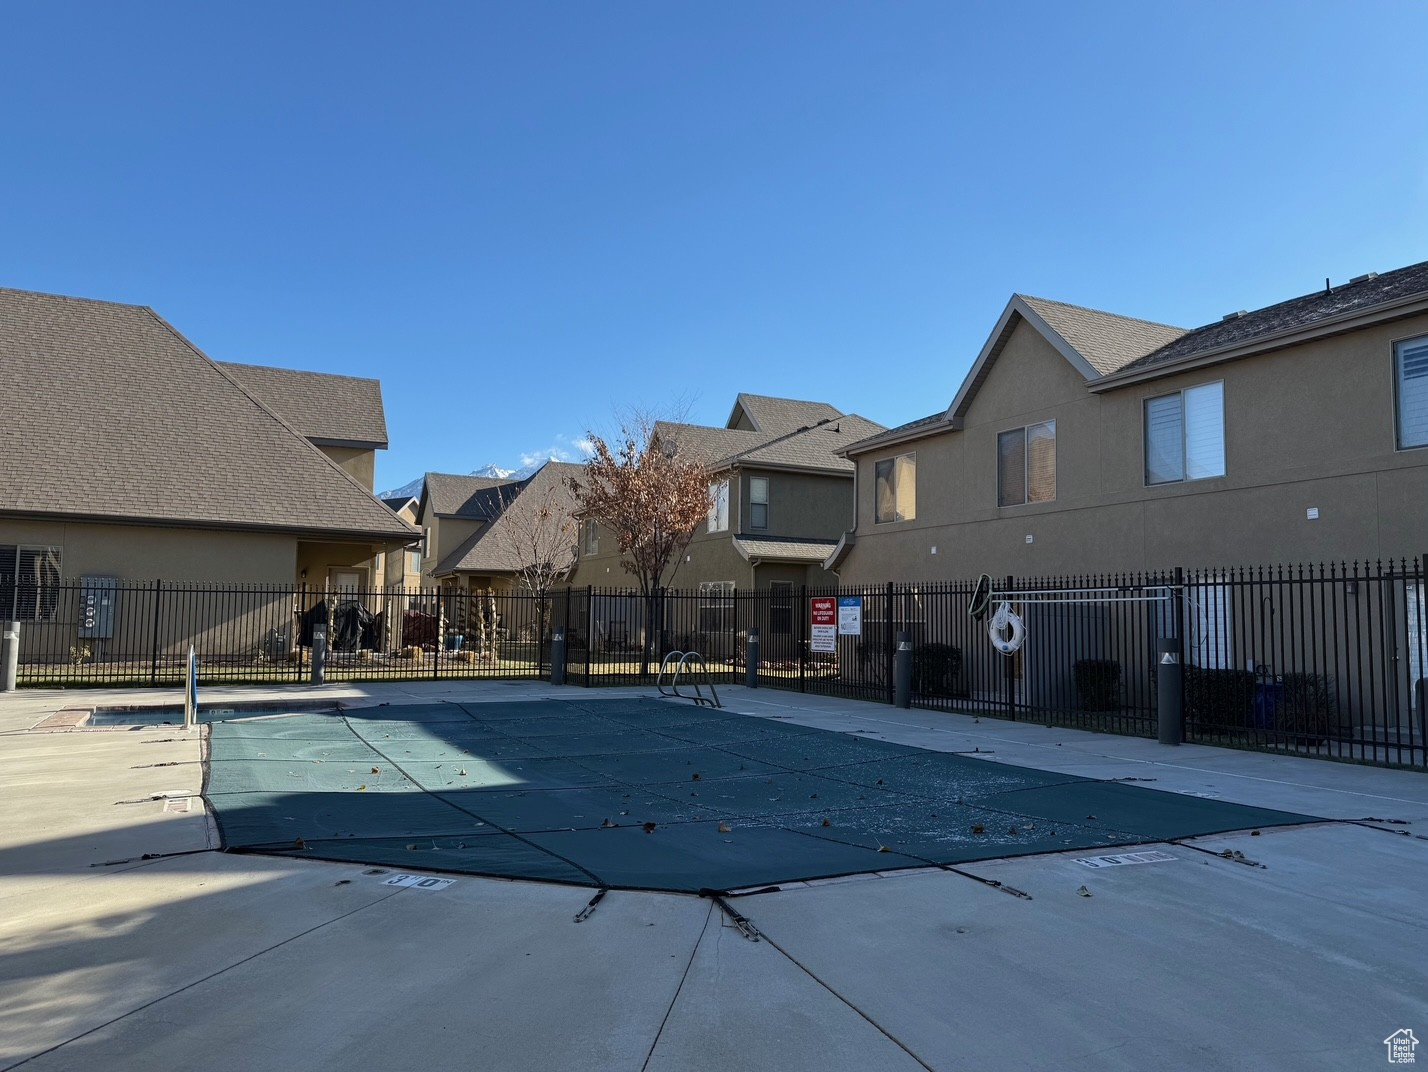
653 794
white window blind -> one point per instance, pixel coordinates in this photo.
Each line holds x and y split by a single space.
719 506
1185 435
1205 431
1412 393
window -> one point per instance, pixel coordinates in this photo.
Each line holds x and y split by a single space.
719 506
1026 465
758 502
29 583
413 561
1410 361
591 537
1185 435
896 488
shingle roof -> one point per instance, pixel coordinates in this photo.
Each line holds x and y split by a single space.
777 416
708 444
479 498
498 547
893 435
814 448
109 413
1302 312
811 445
328 409
1107 341
785 550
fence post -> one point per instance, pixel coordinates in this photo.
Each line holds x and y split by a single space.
751 658
804 614
1010 665
902 670
10 656
557 656
1169 711
589 630
889 646
154 662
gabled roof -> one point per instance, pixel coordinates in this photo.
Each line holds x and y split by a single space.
108 413
1107 341
776 416
814 447
496 547
398 503
1111 342
1321 313
330 410
818 448
477 498
707 444
1093 342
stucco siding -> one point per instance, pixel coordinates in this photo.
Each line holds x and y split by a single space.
1305 428
146 553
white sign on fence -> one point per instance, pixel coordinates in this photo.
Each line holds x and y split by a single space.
825 638
850 615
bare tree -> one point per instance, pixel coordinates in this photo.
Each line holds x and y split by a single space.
535 537
652 498
537 533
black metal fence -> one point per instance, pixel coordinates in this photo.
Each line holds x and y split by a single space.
139 634
1327 660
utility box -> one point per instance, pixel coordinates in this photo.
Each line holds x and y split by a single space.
97 596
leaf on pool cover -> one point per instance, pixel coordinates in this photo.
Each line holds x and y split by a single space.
725 828
650 828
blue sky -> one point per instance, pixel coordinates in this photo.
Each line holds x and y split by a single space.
527 217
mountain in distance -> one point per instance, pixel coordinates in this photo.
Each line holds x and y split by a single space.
412 489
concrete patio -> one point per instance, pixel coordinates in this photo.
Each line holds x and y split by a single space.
1305 950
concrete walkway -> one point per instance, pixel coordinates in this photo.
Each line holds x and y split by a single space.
1304 954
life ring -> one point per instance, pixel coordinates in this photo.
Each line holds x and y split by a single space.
1006 629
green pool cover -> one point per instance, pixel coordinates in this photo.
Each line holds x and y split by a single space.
652 794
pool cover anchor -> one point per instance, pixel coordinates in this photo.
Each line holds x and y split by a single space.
742 923
586 912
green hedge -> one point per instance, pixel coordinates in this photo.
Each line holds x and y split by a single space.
1310 707
1098 684
1305 706
937 670
1219 697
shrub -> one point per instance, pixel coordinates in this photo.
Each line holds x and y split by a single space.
937 670
1310 707
1219 698
1098 684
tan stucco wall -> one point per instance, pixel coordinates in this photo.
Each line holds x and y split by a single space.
1311 426
361 465
447 534
145 553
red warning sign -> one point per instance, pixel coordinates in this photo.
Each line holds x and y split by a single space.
824 610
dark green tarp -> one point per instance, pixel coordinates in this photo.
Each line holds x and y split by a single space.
649 794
